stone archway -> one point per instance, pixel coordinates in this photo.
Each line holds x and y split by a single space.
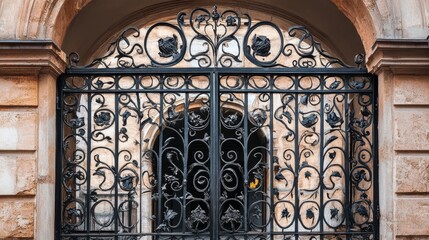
47 20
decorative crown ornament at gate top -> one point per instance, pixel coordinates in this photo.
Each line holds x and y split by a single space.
215 39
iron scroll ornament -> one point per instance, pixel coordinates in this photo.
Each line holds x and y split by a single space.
275 131
211 40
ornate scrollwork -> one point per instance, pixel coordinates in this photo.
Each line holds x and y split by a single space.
212 40
259 154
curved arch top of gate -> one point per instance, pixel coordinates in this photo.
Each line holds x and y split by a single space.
210 38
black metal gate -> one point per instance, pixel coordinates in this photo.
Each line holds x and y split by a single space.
268 137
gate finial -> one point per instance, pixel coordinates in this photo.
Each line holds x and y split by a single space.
215 13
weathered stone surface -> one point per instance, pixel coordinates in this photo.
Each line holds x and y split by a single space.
45 211
412 174
16 218
46 159
18 130
22 91
411 90
412 238
410 217
411 129
12 168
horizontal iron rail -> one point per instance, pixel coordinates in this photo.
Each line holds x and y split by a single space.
96 234
221 71
221 90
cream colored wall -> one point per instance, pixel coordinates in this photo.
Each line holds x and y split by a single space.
27 109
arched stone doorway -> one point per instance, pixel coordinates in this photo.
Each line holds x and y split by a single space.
393 34
315 175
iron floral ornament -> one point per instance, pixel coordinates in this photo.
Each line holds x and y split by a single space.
168 47
212 40
261 45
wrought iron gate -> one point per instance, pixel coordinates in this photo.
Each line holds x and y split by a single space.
268 137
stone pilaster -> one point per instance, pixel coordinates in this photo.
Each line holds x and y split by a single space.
402 67
28 73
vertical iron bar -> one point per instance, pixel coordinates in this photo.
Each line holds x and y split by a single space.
59 159
140 152
116 79
88 160
321 153
185 158
160 145
296 78
376 209
245 153
214 131
347 156
271 168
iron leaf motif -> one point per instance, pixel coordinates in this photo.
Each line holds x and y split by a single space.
168 46
231 119
288 116
231 21
309 214
127 182
231 215
361 210
307 174
200 19
198 215
261 45
74 213
357 85
195 119
285 213
304 99
169 214
309 120
334 213
77 122
333 120
334 85
259 118
102 119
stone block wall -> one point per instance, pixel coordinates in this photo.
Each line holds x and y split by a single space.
18 142
411 161
403 72
28 72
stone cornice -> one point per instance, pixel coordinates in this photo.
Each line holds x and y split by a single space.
33 56
401 56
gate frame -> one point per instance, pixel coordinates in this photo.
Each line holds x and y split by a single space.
263 68
214 95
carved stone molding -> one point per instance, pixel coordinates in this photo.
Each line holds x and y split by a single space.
31 57
401 56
